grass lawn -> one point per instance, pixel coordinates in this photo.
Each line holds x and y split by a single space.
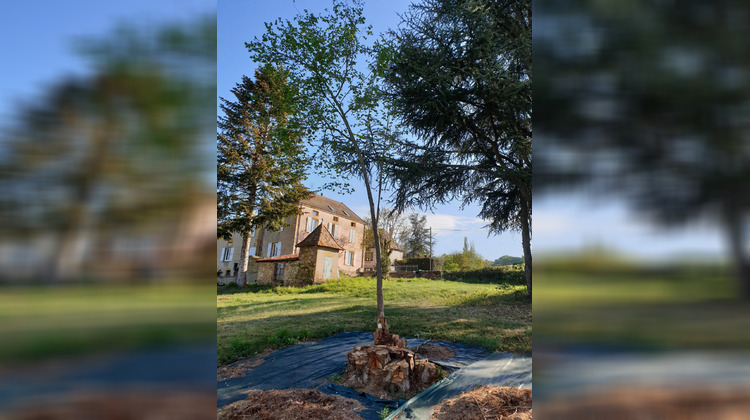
41 322
650 308
497 317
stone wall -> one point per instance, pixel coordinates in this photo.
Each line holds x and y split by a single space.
265 273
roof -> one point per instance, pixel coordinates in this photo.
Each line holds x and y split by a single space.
331 206
280 258
320 237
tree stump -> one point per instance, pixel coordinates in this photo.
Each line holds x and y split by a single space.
384 370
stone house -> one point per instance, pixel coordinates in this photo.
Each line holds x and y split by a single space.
344 226
342 223
229 259
318 256
397 253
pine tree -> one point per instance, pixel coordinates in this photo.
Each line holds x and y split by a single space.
261 158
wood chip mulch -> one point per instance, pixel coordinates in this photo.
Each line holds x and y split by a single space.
292 404
487 402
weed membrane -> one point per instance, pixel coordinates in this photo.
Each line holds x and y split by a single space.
309 365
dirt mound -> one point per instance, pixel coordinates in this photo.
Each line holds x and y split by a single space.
238 370
291 404
487 402
433 351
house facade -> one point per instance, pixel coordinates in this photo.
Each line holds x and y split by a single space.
397 253
344 226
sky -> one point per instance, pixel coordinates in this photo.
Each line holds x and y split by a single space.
241 21
39 38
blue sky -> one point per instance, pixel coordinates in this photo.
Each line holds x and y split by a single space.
241 21
39 38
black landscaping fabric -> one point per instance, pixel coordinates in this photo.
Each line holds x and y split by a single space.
309 365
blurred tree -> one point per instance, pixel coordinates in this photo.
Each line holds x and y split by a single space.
115 152
261 158
649 101
459 74
341 102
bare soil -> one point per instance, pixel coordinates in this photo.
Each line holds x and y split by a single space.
433 351
639 402
126 405
292 404
238 370
487 402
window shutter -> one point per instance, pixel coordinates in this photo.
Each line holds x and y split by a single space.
329 227
223 253
307 222
352 232
231 254
268 254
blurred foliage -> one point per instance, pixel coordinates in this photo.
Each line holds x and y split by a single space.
648 101
104 173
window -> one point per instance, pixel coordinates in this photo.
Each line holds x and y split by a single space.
227 254
315 212
229 273
311 224
349 258
230 242
279 270
251 251
335 219
368 256
345 212
352 235
332 210
354 224
276 249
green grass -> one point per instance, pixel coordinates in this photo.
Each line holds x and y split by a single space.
42 322
678 306
497 317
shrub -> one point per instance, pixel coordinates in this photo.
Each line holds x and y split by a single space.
504 274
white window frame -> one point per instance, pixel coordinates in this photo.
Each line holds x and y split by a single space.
311 224
276 249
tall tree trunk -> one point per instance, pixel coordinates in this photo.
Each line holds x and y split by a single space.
242 275
735 233
526 242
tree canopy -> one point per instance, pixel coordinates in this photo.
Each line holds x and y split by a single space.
261 158
648 102
459 75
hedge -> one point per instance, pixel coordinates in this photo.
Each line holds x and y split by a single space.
502 274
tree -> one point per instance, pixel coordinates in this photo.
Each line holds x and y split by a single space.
341 104
466 260
261 158
507 260
459 75
416 237
391 227
115 151
662 112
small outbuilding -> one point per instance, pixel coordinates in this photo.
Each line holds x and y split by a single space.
316 262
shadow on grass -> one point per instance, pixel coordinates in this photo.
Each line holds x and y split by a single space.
456 324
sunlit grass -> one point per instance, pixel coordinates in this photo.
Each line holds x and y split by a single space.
494 316
52 321
667 307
